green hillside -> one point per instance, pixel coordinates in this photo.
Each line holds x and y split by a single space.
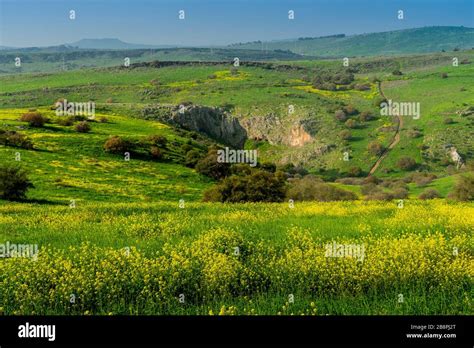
418 40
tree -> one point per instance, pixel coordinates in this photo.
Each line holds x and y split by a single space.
14 182
210 167
310 188
256 186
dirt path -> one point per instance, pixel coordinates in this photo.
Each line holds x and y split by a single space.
393 143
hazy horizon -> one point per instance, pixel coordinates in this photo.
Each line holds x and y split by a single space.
30 23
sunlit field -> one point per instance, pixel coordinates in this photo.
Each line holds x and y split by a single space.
241 259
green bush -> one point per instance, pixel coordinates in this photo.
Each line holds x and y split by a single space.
192 158
429 194
117 145
15 139
406 163
375 148
83 127
210 167
34 119
258 186
464 188
310 188
14 182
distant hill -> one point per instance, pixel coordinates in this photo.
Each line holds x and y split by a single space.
418 40
111 44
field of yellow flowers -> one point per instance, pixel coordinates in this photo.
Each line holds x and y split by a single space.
241 259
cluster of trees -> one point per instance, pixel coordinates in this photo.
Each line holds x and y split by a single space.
329 80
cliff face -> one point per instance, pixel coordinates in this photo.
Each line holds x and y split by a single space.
270 128
227 129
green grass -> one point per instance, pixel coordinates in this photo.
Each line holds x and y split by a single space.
66 165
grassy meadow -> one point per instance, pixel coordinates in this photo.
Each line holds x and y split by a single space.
139 240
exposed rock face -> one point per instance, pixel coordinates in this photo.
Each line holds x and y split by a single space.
275 131
220 125
455 157
214 122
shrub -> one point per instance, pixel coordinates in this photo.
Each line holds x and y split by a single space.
155 152
422 179
448 120
192 158
379 196
34 119
400 193
345 135
350 110
406 163
65 121
14 139
414 133
14 182
375 148
397 72
355 171
158 140
366 116
464 188
340 115
350 123
103 119
117 145
310 188
429 194
83 127
210 167
258 186
362 86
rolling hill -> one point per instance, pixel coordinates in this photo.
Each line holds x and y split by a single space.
417 40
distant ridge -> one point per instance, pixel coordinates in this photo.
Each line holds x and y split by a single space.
111 44
417 40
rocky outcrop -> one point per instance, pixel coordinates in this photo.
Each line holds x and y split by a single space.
271 128
216 123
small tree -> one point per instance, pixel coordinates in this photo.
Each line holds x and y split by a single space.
14 182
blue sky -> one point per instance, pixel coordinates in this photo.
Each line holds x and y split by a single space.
215 22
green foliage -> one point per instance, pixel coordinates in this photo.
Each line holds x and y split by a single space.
210 167
464 188
14 182
83 127
34 119
310 188
117 145
15 139
406 163
254 185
